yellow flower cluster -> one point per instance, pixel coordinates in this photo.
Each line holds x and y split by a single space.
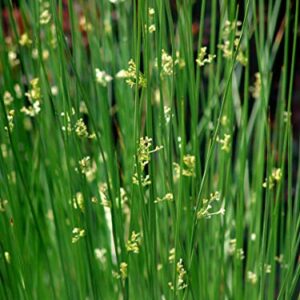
133 245
123 271
188 170
25 40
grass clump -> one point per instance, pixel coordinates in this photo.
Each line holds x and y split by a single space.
147 150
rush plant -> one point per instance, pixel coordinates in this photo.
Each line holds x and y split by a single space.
148 150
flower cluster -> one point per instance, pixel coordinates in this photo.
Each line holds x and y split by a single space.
3 204
8 100
100 255
45 15
224 142
123 271
240 254
167 114
84 24
255 90
207 203
131 76
68 126
13 58
77 234
84 164
102 189
229 48
143 158
102 77
78 201
10 119
144 151
88 168
181 274
18 91
151 13
252 277
25 40
233 250
189 163
81 129
273 178
171 255
267 268
279 258
133 245
35 93
168 64
35 54
167 197
203 59
34 97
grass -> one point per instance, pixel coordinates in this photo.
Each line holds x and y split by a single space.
175 178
